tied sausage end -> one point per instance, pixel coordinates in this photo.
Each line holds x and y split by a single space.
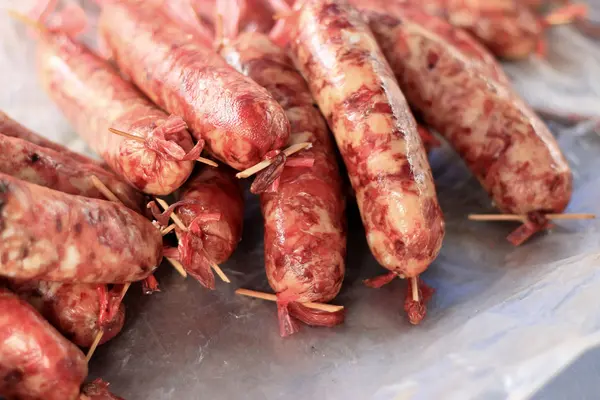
163 138
290 312
536 222
416 310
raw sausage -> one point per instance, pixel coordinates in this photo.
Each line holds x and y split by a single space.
506 146
97 390
211 205
46 167
375 132
12 128
305 227
75 309
95 98
36 362
49 235
254 15
180 72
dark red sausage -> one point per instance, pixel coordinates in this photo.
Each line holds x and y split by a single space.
375 132
36 362
239 120
49 235
506 146
94 98
212 207
73 309
12 128
59 171
305 235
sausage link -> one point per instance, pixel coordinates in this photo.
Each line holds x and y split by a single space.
375 132
95 98
10 127
506 146
255 15
36 362
210 192
46 167
73 309
305 235
238 119
49 235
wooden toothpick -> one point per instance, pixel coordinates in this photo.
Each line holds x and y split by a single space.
272 297
139 139
265 163
168 230
414 284
94 345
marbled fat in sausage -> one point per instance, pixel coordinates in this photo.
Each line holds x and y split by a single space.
375 132
506 146
180 72
49 235
305 235
46 167
36 362
217 192
94 98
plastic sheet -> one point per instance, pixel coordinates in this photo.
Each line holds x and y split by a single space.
503 321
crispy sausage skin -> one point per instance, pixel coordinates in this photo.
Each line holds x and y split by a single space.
213 192
470 102
10 127
180 72
72 308
49 235
94 97
305 235
46 167
36 362
375 132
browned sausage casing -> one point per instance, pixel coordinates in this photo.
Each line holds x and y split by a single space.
375 132
72 308
46 167
212 191
239 120
94 97
36 362
12 128
49 235
305 236
506 146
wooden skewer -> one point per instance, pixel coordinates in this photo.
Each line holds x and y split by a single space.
94 345
272 297
523 218
181 226
168 229
177 265
264 164
415 288
139 139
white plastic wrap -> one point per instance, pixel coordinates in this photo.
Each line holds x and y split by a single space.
504 320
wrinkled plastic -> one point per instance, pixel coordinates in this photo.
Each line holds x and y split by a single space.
502 321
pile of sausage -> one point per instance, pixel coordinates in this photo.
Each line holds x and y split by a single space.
172 79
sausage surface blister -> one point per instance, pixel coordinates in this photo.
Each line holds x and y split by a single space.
180 72
375 132
49 235
470 102
94 98
36 362
305 229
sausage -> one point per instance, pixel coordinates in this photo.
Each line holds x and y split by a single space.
49 235
55 170
375 132
12 128
238 119
97 390
506 146
35 361
94 98
305 227
74 309
211 205
254 15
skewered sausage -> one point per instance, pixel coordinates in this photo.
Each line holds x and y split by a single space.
35 361
49 235
181 73
305 235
